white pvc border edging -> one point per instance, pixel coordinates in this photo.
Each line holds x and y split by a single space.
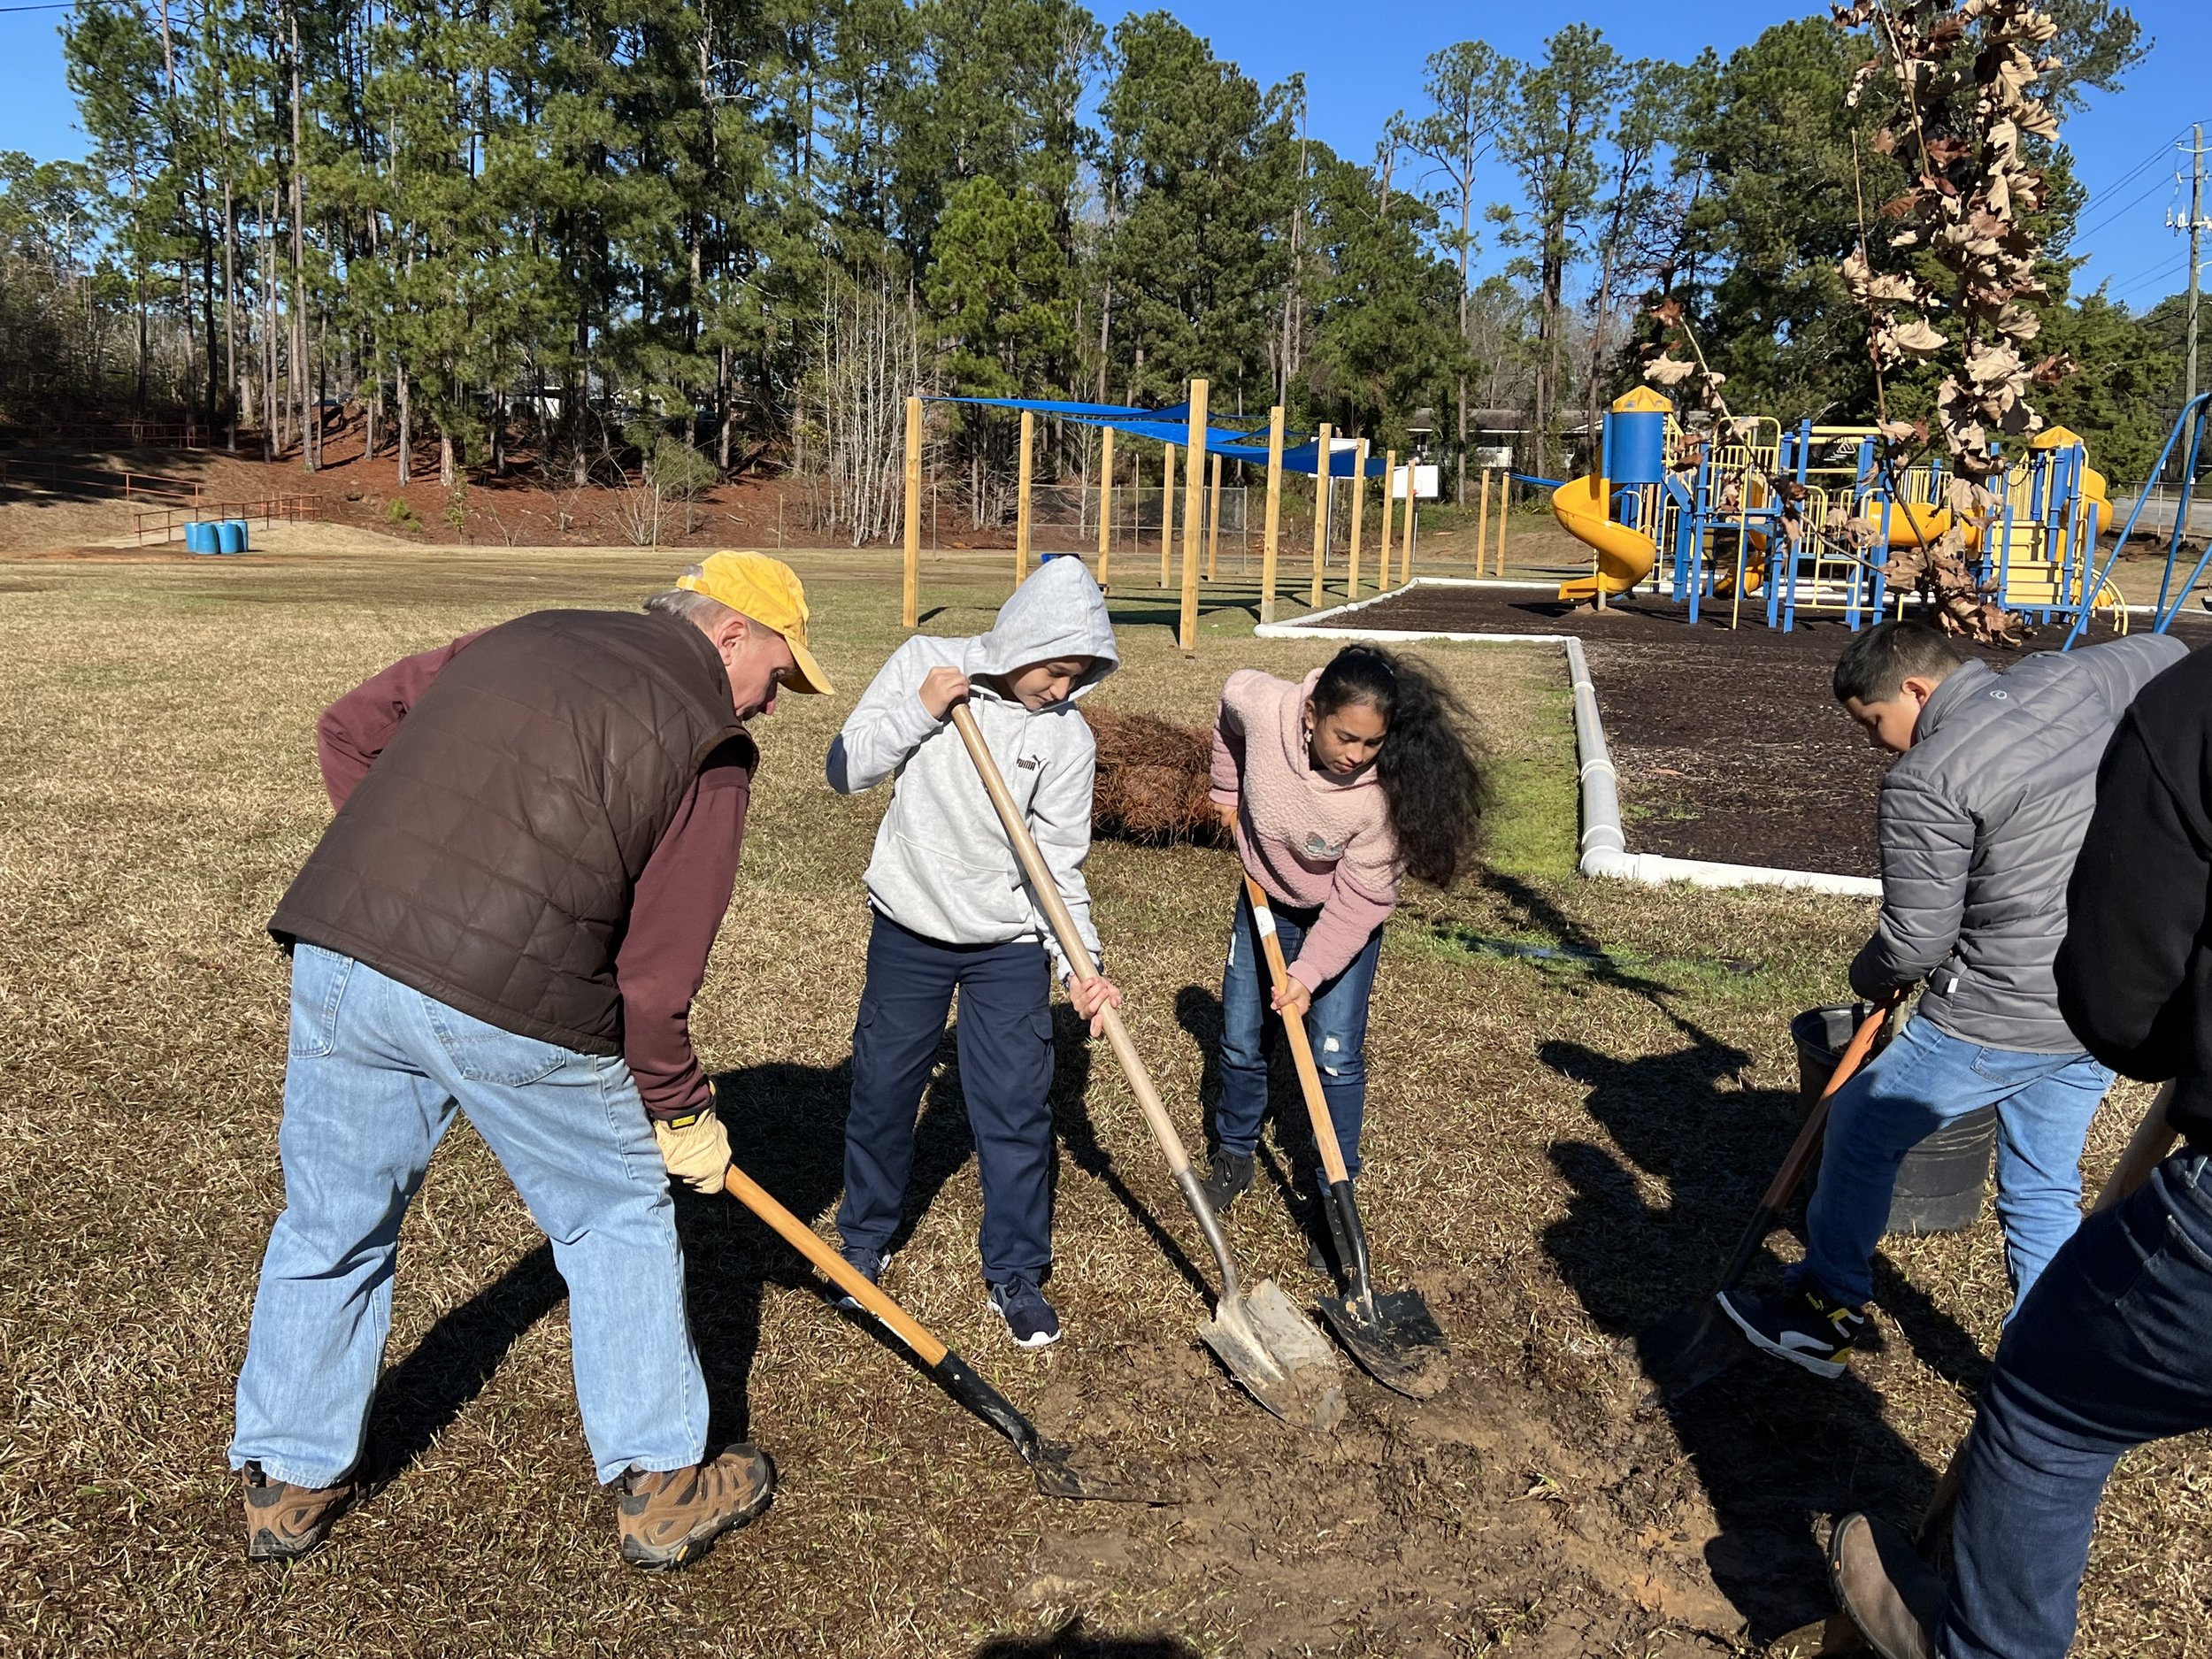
1603 847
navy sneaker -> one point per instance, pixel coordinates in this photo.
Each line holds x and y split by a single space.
1029 1318
1803 1327
870 1265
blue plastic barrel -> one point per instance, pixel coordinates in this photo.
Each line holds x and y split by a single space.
245 542
199 537
226 535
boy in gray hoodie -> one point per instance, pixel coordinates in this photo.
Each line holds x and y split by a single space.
952 910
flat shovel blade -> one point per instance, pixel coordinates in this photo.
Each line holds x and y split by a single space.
1071 1472
1279 1357
1688 1348
1400 1347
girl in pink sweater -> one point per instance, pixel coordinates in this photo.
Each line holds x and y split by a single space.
1336 787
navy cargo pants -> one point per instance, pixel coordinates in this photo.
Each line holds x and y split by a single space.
1004 1043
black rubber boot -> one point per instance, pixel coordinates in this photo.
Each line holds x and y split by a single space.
1228 1178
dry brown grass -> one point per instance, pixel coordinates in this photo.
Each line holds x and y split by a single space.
1560 1146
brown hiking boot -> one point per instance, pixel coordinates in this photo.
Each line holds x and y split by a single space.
284 1522
1894 1598
669 1519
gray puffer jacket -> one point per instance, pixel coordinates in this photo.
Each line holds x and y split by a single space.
1980 823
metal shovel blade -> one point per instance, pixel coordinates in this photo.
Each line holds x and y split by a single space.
1071 1471
1279 1357
1688 1348
1394 1338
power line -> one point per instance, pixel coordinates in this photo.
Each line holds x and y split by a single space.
63 6
2166 269
2156 155
2106 220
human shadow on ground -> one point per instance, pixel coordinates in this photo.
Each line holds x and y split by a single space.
1074 1641
1287 1147
418 1399
1773 1448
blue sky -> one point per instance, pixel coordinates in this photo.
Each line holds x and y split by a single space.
1363 61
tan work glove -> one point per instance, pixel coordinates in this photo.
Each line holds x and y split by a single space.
695 1148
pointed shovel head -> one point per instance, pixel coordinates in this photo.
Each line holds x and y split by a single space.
1278 1355
1394 1338
1073 1471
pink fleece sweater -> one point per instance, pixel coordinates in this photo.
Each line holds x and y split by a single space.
1306 837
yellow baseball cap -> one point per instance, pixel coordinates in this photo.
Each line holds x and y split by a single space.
768 591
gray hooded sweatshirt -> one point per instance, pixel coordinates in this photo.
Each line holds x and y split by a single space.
943 866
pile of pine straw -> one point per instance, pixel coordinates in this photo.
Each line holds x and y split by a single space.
1152 776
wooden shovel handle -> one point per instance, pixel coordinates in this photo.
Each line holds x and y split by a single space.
846 1277
1300 1047
1815 1123
1070 938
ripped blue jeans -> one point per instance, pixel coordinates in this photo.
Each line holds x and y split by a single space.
1336 1024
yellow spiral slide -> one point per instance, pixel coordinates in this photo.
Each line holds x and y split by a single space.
1625 556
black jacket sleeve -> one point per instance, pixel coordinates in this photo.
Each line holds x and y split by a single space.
2135 907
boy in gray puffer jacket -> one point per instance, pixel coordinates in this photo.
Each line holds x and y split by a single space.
1980 822
952 910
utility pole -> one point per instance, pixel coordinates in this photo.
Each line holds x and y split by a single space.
2197 226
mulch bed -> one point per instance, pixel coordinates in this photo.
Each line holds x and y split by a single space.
1728 744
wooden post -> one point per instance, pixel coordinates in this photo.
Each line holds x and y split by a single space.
1505 490
1193 514
1021 504
1213 522
1405 523
1482 526
1359 512
912 607
1105 500
1167 511
1390 492
1269 545
1320 512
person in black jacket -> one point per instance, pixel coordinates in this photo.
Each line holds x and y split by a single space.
2110 1350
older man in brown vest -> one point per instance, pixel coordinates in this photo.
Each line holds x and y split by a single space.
537 838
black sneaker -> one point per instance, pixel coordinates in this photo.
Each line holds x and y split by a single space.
1803 1328
1228 1178
870 1265
1029 1318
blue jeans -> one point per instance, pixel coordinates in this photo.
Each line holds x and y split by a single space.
375 1073
1924 1080
1004 1041
2110 1352
1336 1025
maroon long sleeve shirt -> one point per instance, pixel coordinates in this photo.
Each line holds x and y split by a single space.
674 913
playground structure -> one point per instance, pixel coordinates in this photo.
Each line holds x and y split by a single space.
1187 436
1701 515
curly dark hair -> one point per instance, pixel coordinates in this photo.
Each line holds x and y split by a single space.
1430 765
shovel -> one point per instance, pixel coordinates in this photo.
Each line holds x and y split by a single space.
1269 1347
1059 1468
1694 1345
1393 1335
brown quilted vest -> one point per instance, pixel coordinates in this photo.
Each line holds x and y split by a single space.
488 858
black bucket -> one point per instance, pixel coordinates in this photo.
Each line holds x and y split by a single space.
1940 1183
